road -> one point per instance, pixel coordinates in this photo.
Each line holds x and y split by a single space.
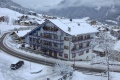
39 60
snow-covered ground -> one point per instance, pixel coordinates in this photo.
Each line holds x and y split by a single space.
98 62
24 73
7 27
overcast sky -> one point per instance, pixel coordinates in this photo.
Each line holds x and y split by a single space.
37 3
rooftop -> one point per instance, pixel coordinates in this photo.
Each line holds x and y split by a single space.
74 26
22 33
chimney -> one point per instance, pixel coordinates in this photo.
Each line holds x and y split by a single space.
71 20
69 29
78 24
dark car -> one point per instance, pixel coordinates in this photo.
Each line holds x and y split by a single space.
17 65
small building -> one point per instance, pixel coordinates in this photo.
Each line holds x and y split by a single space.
115 33
19 36
24 17
2 18
32 13
117 49
93 22
99 51
63 38
25 23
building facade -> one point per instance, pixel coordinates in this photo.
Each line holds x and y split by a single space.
62 39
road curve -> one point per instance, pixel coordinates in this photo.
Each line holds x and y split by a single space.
39 60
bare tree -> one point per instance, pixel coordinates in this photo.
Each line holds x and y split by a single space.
62 68
106 43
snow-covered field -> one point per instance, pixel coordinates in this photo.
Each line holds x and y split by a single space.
6 27
24 73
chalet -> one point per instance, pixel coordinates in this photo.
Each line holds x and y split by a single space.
25 23
32 13
19 35
63 38
24 17
93 22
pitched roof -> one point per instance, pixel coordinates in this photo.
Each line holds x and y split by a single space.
22 33
76 26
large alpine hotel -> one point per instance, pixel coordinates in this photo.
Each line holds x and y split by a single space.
67 39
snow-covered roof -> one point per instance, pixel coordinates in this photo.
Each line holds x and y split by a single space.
22 33
116 30
77 26
98 49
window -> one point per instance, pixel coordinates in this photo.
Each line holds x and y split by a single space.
87 36
61 54
30 39
41 34
80 45
65 55
66 38
87 51
81 53
55 37
75 46
87 44
66 47
37 40
73 55
80 37
73 38
55 45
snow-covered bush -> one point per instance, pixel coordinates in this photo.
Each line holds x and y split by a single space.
105 42
62 68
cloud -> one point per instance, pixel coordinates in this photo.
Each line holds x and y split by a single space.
56 4
37 3
90 3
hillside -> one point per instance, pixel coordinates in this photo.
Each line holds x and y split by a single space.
13 6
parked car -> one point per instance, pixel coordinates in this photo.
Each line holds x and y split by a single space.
17 65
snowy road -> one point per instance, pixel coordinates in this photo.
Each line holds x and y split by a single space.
10 51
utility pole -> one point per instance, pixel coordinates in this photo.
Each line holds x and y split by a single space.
74 60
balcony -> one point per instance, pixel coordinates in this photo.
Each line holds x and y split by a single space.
79 50
47 39
50 32
81 41
51 48
52 40
34 36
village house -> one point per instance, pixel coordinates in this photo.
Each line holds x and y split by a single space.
32 13
67 39
2 18
49 17
115 33
18 36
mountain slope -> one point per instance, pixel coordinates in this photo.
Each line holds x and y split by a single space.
14 6
100 10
